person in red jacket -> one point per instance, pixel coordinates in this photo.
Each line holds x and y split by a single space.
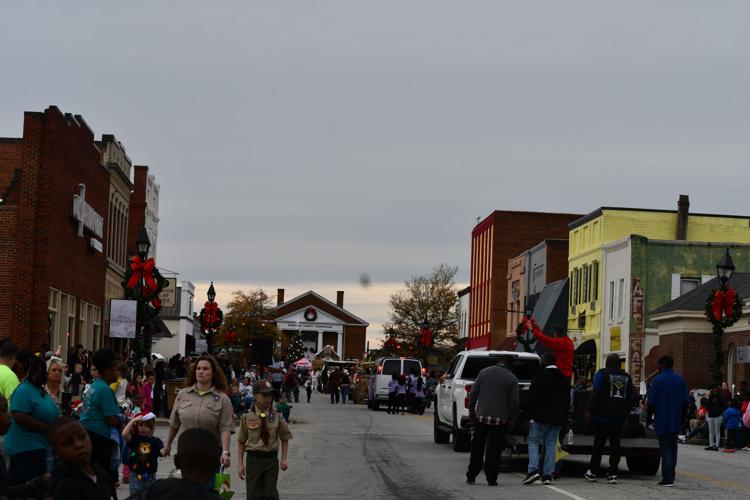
560 343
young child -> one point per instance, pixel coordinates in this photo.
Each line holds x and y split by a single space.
401 394
145 449
147 390
732 418
261 431
198 452
419 396
308 388
284 408
75 475
393 394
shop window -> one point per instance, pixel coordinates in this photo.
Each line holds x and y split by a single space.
611 300
621 299
585 283
595 284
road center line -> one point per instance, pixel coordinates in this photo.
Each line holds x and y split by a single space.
558 490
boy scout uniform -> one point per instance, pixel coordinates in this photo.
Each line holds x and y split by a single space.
262 462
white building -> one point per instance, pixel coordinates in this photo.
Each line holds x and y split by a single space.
463 312
152 213
179 321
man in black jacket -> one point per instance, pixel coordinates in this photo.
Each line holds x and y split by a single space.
547 406
608 409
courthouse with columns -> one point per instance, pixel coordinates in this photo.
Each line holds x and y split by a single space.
321 323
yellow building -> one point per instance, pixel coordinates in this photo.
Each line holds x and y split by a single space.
590 233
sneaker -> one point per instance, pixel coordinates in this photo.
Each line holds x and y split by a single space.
590 476
728 450
709 448
612 479
531 477
747 448
682 439
666 483
546 480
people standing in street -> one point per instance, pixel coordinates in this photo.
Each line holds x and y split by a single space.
345 384
262 432
608 408
668 399
547 406
334 381
732 420
147 390
401 394
203 402
493 406
277 377
101 414
393 394
714 419
419 395
308 388
560 343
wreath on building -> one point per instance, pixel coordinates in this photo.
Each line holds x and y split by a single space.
143 281
523 338
311 314
724 308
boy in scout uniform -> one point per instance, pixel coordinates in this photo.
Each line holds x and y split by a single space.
261 429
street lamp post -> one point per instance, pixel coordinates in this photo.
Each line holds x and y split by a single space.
211 318
723 309
142 344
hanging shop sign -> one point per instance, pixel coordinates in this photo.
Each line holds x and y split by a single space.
122 318
85 215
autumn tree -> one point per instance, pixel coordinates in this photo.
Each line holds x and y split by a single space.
430 298
246 316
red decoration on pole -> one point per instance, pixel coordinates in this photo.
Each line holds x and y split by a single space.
425 340
140 269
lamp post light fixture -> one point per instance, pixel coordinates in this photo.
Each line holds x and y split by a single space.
724 269
142 346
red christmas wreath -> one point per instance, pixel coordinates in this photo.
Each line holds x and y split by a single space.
311 314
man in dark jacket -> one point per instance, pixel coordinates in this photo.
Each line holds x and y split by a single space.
608 409
493 406
547 406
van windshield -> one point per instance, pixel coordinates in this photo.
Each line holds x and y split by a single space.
391 367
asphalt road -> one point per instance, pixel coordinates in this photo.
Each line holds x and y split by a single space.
347 451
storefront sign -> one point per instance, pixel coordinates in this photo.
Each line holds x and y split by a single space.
169 293
305 326
122 314
615 340
636 305
96 245
636 359
86 216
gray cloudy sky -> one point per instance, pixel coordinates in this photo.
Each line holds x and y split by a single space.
303 143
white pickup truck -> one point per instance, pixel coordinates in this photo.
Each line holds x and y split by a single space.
451 394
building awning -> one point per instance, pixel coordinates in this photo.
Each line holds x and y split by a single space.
159 329
551 307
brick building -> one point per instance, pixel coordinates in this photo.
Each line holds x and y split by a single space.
686 334
144 209
321 323
54 202
495 240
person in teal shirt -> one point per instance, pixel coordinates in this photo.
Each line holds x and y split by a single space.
32 411
100 410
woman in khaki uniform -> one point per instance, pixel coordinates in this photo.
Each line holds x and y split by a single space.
261 430
203 403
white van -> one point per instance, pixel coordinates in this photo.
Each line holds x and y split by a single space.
385 368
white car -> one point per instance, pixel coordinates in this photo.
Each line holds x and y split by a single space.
452 392
385 368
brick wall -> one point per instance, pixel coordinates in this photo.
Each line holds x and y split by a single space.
137 210
557 260
513 232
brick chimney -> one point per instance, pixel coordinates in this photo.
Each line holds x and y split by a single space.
279 297
683 210
340 299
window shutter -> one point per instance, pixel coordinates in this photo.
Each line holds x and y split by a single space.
675 286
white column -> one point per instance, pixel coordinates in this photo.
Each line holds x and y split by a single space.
339 341
320 341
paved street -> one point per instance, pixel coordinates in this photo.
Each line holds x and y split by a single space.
347 451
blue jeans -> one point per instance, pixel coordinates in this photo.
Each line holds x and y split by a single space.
137 485
668 449
545 435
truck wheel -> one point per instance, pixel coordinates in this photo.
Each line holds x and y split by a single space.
461 438
645 466
439 435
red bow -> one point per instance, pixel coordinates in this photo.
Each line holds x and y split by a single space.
211 314
230 337
391 343
144 270
723 302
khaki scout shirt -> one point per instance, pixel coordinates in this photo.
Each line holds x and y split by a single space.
211 411
250 431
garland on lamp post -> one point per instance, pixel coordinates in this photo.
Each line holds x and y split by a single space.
723 309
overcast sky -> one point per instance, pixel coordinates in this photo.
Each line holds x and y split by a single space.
300 144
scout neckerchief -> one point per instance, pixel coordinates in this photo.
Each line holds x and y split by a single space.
265 434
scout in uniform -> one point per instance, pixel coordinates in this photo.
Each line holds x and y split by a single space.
261 430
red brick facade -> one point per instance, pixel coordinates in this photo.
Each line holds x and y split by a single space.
137 210
39 243
495 240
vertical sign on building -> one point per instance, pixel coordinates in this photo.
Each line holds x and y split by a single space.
636 340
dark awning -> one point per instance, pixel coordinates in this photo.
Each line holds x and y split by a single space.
158 328
552 306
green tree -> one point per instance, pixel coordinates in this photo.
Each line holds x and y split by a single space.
430 298
296 348
246 316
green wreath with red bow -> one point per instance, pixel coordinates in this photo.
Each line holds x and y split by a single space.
723 307
143 281
522 338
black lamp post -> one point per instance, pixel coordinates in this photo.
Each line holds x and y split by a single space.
724 270
211 318
142 346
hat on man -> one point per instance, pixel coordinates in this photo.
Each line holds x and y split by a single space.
262 387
